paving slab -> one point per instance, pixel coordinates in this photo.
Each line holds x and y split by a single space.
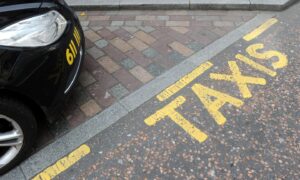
271 5
100 4
223 4
14 174
154 4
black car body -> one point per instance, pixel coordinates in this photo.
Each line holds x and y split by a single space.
34 79
41 74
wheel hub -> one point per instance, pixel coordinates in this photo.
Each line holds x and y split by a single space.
11 140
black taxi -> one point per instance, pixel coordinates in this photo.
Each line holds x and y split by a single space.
41 51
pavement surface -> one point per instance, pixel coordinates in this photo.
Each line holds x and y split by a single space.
271 5
127 49
227 110
259 140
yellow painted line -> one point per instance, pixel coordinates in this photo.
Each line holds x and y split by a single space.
241 80
255 65
64 163
267 55
170 111
184 81
214 100
262 28
82 14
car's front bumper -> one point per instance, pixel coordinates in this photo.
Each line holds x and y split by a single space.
46 74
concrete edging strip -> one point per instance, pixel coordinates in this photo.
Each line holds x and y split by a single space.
154 4
271 5
70 141
220 4
274 5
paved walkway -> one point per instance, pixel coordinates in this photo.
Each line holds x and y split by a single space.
127 49
229 111
224 104
271 5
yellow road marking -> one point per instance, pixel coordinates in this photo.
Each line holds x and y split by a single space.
64 163
282 58
82 14
262 28
184 81
240 80
205 95
214 100
255 65
169 111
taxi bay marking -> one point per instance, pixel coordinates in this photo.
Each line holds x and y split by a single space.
64 163
262 28
206 94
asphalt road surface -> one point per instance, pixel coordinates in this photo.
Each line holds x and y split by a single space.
236 116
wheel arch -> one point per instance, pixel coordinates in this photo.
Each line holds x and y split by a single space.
36 109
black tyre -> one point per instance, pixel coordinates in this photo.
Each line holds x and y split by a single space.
17 132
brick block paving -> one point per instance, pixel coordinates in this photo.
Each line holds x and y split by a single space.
127 49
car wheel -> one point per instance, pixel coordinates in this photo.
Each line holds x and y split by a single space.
17 132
